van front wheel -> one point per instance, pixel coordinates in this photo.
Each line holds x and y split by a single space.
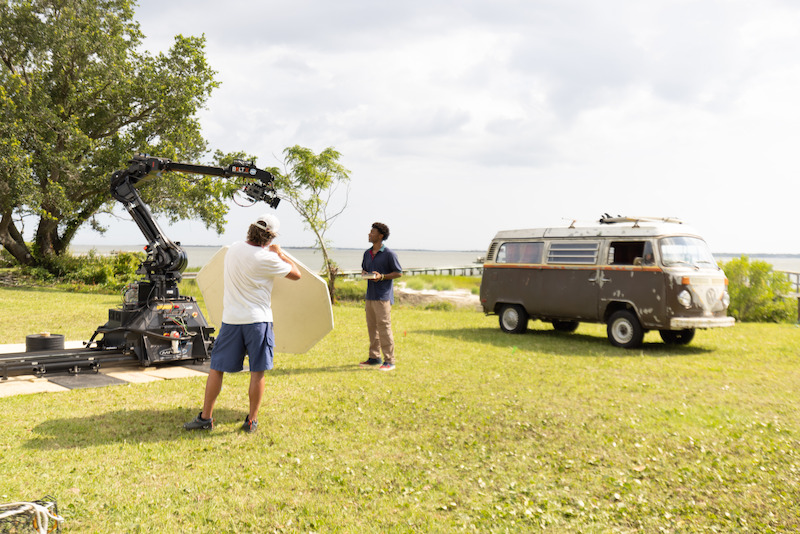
624 330
677 337
513 319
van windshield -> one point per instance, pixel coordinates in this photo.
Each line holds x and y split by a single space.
686 250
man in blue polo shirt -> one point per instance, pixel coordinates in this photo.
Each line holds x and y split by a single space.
380 266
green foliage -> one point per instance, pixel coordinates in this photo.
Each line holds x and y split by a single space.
109 273
415 282
758 292
442 282
78 97
6 259
440 306
443 285
309 182
351 291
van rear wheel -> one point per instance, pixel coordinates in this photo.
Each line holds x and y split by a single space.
624 330
677 337
565 326
513 319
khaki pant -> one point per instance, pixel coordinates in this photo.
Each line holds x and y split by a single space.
379 326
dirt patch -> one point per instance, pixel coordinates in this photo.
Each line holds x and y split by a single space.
460 298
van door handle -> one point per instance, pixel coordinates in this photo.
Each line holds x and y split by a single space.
599 278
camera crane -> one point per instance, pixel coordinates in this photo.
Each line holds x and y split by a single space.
166 260
155 323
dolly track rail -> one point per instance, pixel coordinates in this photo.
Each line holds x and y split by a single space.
72 361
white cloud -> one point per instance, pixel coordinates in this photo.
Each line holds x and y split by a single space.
461 118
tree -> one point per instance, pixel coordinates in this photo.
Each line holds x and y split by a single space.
77 99
308 183
757 292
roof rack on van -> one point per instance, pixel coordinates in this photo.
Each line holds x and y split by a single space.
608 219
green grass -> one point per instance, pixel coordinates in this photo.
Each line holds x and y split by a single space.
476 430
30 310
26 311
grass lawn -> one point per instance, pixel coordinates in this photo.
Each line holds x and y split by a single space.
476 430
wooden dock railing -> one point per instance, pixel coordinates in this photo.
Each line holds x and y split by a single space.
464 270
794 278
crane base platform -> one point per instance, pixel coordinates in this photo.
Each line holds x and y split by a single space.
63 361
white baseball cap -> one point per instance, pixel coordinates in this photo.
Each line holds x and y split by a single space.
269 222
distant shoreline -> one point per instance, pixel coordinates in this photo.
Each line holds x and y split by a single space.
184 245
756 254
138 247
346 258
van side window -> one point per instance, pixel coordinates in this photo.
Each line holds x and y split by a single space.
520 252
626 252
531 252
573 252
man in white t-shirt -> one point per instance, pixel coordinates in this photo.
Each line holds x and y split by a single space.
250 268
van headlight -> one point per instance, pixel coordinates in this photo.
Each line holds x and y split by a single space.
726 299
685 299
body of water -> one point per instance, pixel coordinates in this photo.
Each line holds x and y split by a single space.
349 259
789 262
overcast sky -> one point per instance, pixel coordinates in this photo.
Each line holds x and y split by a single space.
461 118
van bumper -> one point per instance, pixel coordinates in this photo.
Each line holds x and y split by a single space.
680 323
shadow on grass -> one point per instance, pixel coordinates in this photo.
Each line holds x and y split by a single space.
279 369
562 344
132 426
146 425
284 371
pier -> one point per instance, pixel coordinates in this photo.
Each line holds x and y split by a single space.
794 279
464 270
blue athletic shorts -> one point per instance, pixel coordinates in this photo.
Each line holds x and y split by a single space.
234 340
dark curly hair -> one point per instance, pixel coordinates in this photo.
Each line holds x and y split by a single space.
383 229
259 236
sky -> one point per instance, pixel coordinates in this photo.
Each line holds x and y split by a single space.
457 119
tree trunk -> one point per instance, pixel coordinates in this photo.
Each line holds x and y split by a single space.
46 238
12 240
331 270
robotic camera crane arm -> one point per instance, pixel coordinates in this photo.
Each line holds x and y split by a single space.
166 259
260 189
155 322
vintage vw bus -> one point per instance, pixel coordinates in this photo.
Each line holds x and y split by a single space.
634 274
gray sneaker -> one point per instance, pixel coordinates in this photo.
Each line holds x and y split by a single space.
199 423
248 425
